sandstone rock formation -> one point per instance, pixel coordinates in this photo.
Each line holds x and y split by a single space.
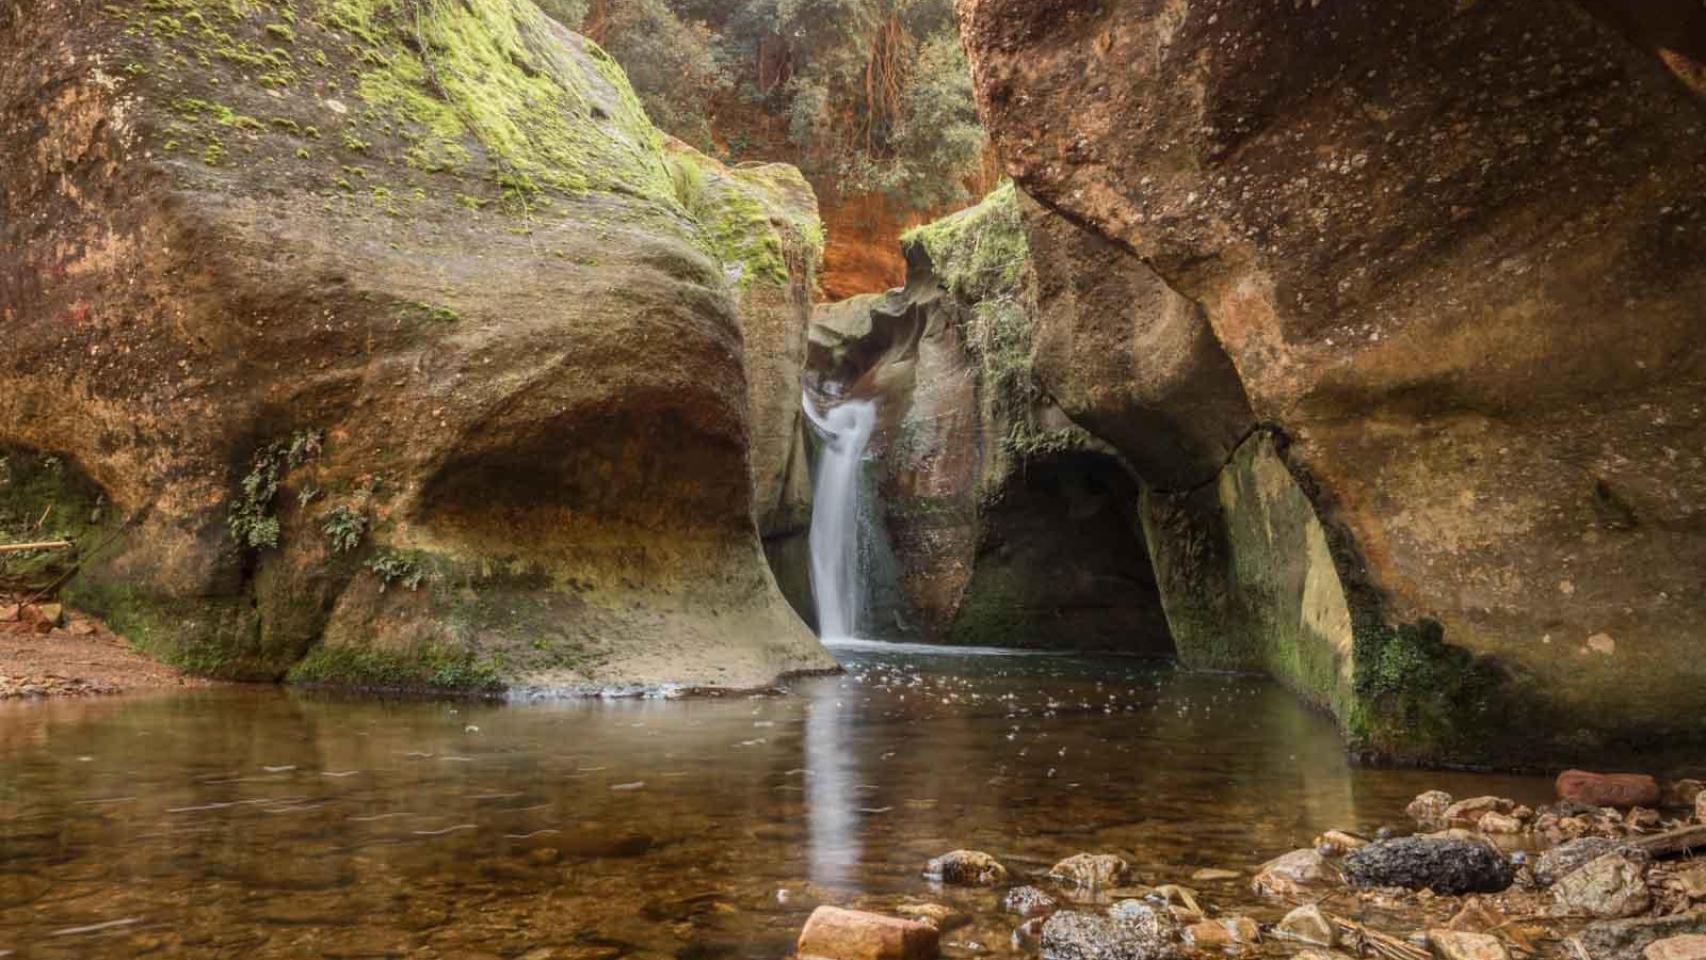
761 220
1003 523
390 347
1456 257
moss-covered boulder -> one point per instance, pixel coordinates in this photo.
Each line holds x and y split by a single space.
385 334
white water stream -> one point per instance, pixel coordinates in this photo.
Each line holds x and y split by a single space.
838 585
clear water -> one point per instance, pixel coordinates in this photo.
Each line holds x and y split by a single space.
260 823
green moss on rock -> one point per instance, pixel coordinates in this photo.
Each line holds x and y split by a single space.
431 668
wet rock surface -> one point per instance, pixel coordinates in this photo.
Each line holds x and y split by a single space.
833 933
1294 872
1442 865
966 868
1091 870
1132 935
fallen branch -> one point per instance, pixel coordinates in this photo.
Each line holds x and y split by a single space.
44 545
1675 843
1385 945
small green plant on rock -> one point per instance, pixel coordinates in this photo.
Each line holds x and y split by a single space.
250 518
392 567
344 528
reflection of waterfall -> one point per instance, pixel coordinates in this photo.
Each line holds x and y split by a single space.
837 582
831 774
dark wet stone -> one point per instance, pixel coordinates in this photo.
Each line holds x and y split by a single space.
1435 863
1566 858
1135 934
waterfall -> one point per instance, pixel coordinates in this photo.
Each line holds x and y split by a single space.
837 583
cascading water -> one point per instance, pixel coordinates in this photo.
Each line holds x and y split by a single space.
837 584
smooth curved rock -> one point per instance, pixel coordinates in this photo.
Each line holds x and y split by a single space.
392 381
832 933
1434 241
1607 789
1442 865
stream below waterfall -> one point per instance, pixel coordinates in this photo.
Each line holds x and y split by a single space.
265 822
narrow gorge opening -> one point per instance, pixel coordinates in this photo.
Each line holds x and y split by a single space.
941 514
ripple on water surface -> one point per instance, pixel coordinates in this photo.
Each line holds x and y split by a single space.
276 823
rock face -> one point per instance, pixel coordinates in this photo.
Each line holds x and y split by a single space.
398 357
1434 863
1000 522
1430 261
760 220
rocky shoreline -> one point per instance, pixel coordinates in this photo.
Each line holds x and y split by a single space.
49 651
1481 878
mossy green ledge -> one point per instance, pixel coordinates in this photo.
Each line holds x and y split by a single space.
440 239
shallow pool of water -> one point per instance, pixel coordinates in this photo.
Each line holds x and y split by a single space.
261 822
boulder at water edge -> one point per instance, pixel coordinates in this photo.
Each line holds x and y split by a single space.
1439 864
832 933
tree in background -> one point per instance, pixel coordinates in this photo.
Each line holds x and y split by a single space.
865 96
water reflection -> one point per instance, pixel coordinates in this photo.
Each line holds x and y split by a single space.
275 823
831 774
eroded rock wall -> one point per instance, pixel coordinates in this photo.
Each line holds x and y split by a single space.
1002 523
392 343
1454 254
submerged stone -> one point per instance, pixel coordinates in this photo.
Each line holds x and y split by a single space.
1290 873
1091 870
1028 901
1307 924
966 868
